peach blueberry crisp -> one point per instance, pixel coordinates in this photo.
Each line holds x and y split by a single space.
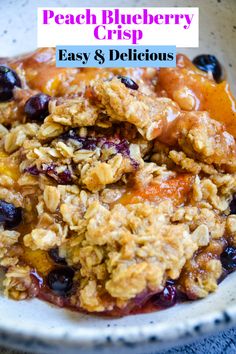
116 185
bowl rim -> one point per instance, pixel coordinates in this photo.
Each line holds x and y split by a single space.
124 336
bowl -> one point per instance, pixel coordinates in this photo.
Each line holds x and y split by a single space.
40 327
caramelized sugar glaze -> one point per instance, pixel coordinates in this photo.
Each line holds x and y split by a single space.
116 185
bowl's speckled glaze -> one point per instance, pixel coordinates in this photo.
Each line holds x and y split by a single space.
40 327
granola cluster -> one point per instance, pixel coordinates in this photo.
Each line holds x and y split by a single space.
130 187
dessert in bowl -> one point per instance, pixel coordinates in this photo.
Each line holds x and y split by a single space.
116 185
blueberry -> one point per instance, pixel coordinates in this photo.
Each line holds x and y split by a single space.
54 254
88 143
64 177
167 297
228 258
206 62
232 205
60 280
10 216
128 82
8 80
33 170
36 107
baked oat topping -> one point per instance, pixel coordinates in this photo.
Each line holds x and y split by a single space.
116 185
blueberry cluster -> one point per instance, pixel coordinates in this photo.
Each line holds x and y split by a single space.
64 177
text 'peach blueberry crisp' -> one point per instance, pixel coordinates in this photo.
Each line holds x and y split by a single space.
117 186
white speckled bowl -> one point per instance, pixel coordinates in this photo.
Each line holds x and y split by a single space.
39 327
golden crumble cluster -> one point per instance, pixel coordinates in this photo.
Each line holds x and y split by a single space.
115 184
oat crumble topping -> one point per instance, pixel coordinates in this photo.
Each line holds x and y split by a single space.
122 191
